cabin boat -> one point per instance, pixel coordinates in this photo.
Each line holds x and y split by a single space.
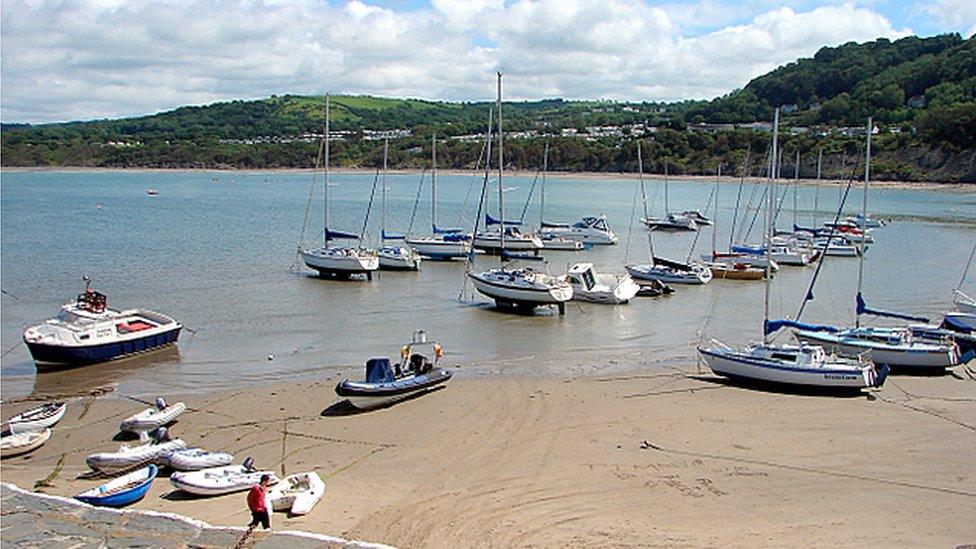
696 216
610 289
515 241
398 258
86 331
674 272
673 222
589 230
341 261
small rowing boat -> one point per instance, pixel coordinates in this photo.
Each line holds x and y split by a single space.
36 419
297 493
121 491
16 444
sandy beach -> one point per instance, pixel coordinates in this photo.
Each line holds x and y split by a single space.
655 457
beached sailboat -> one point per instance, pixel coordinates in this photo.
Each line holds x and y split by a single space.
86 331
659 268
443 243
791 365
897 347
393 257
331 259
521 288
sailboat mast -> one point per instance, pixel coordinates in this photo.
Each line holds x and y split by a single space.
769 222
816 192
542 195
718 176
386 151
640 172
796 183
501 163
325 215
864 215
433 182
667 208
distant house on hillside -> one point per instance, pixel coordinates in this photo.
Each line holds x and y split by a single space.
756 126
787 109
916 102
704 127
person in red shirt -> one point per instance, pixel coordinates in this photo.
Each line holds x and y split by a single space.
256 503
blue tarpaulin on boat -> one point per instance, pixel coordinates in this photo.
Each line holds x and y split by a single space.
449 230
378 370
749 250
336 235
489 220
771 326
863 309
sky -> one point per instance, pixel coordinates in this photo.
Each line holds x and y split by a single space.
64 60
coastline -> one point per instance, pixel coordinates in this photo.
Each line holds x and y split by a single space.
652 456
957 187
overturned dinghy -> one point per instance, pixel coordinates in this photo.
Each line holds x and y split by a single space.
153 418
220 480
386 384
121 491
195 459
297 494
130 457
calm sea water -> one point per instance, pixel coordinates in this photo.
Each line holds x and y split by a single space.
215 250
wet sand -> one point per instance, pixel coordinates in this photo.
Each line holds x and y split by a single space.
655 457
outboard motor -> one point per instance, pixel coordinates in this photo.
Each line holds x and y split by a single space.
248 464
160 403
160 435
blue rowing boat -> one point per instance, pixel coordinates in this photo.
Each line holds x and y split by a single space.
121 491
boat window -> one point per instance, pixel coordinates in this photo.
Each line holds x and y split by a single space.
784 356
588 279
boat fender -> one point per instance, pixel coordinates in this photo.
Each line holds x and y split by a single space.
161 434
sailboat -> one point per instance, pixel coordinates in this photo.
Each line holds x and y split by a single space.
791 365
443 243
661 269
393 257
588 230
897 346
523 288
671 221
727 267
330 259
553 240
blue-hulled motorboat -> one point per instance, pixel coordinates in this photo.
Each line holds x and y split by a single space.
86 331
386 383
121 491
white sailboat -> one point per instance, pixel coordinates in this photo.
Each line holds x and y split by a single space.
672 221
661 269
331 259
552 240
524 287
729 267
443 243
393 257
792 365
897 347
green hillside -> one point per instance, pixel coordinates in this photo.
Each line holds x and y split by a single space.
921 91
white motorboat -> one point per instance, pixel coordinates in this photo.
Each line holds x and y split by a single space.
331 259
36 419
698 217
153 418
837 247
297 494
871 223
194 459
672 222
129 457
799 365
15 444
86 331
589 230
523 287
398 258
560 243
217 481
588 285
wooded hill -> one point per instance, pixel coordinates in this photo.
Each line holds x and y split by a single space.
921 91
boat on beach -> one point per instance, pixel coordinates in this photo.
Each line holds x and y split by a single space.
384 384
217 481
37 419
194 459
16 444
130 457
610 289
522 288
153 418
86 331
296 494
124 490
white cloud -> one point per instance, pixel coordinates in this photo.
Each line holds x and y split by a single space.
77 59
956 15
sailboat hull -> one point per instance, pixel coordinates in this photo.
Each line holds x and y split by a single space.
437 248
522 295
336 261
917 355
735 365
